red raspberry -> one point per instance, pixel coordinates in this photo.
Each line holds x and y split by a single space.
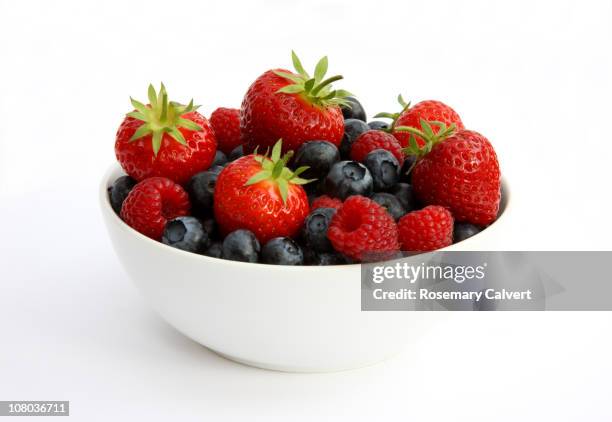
426 230
151 203
226 125
363 227
325 202
376 139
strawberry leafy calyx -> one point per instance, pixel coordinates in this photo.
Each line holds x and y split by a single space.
162 116
274 169
428 135
317 89
394 116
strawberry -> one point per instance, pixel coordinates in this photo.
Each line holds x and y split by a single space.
261 194
458 170
426 230
376 139
226 125
165 139
293 107
151 203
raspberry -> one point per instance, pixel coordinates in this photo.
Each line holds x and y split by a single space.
151 203
426 230
325 202
226 125
362 227
376 139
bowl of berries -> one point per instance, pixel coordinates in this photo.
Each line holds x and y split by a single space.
245 231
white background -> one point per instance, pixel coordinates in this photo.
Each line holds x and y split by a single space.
534 77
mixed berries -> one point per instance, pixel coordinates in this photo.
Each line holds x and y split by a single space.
297 176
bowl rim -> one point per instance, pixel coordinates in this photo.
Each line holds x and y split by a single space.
105 205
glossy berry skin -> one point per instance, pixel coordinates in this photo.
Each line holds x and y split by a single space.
390 203
236 153
201 190
175 161
258 207
241 245
225 123
354 111
186 233
215 250
376 139
119 190
378 125
429 110
348 178
319 156
363 230
325 201
464 231
461 173
405 194
220 160
315 228
425 230
267 116
384 169
352 129
282 251
153 202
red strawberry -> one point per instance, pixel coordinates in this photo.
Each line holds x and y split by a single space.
293 107
226 125
151 203
376 139
325 201
426 230
362 229
260 194
459 171
431 111
164 139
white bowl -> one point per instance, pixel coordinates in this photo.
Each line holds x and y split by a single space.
298 319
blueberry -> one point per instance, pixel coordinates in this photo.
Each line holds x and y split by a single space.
282 251
210 227
348 178
390 203
406 171
354 110
463 231
326 258
119 191
186 233
378 125
215 250
406 196
241 245
201 188
352 129
384 168
236 153
319 156
315 227
220 159
216 169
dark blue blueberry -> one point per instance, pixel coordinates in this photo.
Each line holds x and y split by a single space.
384 169
186 233
201 189
282 251
406 171
319 156
348 178
220 159
210 227
216 169
215 250
390 203
378 125
353 111
119 191
236 153
241 245
406 196
326 258
315 227
463 231
352 129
